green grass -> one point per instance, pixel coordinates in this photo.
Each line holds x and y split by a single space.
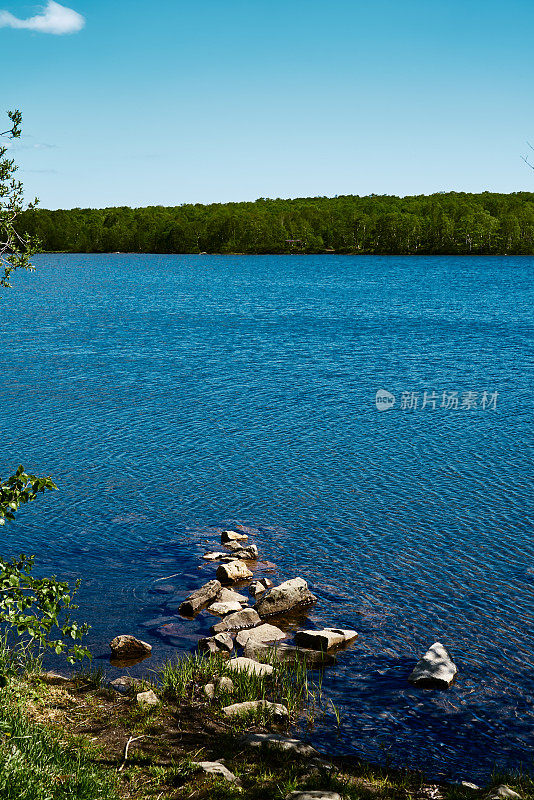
36 765
184 679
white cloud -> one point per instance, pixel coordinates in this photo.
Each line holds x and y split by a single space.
53 19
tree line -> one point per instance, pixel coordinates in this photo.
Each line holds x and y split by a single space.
444 223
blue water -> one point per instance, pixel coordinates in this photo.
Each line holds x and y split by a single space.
170 396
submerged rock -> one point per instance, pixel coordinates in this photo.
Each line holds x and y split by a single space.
288 652
260 635
324 639
127 646
246 618
276 709
284 597
233 572
200 598
436 670
243 664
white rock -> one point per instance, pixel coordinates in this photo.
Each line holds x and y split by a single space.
249 553
147 698
288 595
233 571
243 664
324 639
276 709
221 643
225 684
224 608
313 794
232 536
246 618
229 596
214 556
278 742
259 587
260 635
216 768
209 690
503 792
435 670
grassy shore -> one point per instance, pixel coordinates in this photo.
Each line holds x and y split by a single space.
78 739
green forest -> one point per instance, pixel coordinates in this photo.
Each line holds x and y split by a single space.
443 223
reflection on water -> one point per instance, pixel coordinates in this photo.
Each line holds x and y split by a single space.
170 396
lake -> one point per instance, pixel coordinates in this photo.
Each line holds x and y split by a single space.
172 396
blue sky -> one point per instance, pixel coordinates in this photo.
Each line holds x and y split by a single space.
172 101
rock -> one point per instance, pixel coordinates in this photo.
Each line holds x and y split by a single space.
468 785
209 690
278 742
260 635
249 553
243 664
127 646
503 792
435 670
325 639
233 571
54 678
221 643
288 652
200 598
259 587
222 609
276 709
214 556
283 598
313 794
216 768
147 698
246 618
225 684
224 641
124 684
234 545
229 596
232 536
